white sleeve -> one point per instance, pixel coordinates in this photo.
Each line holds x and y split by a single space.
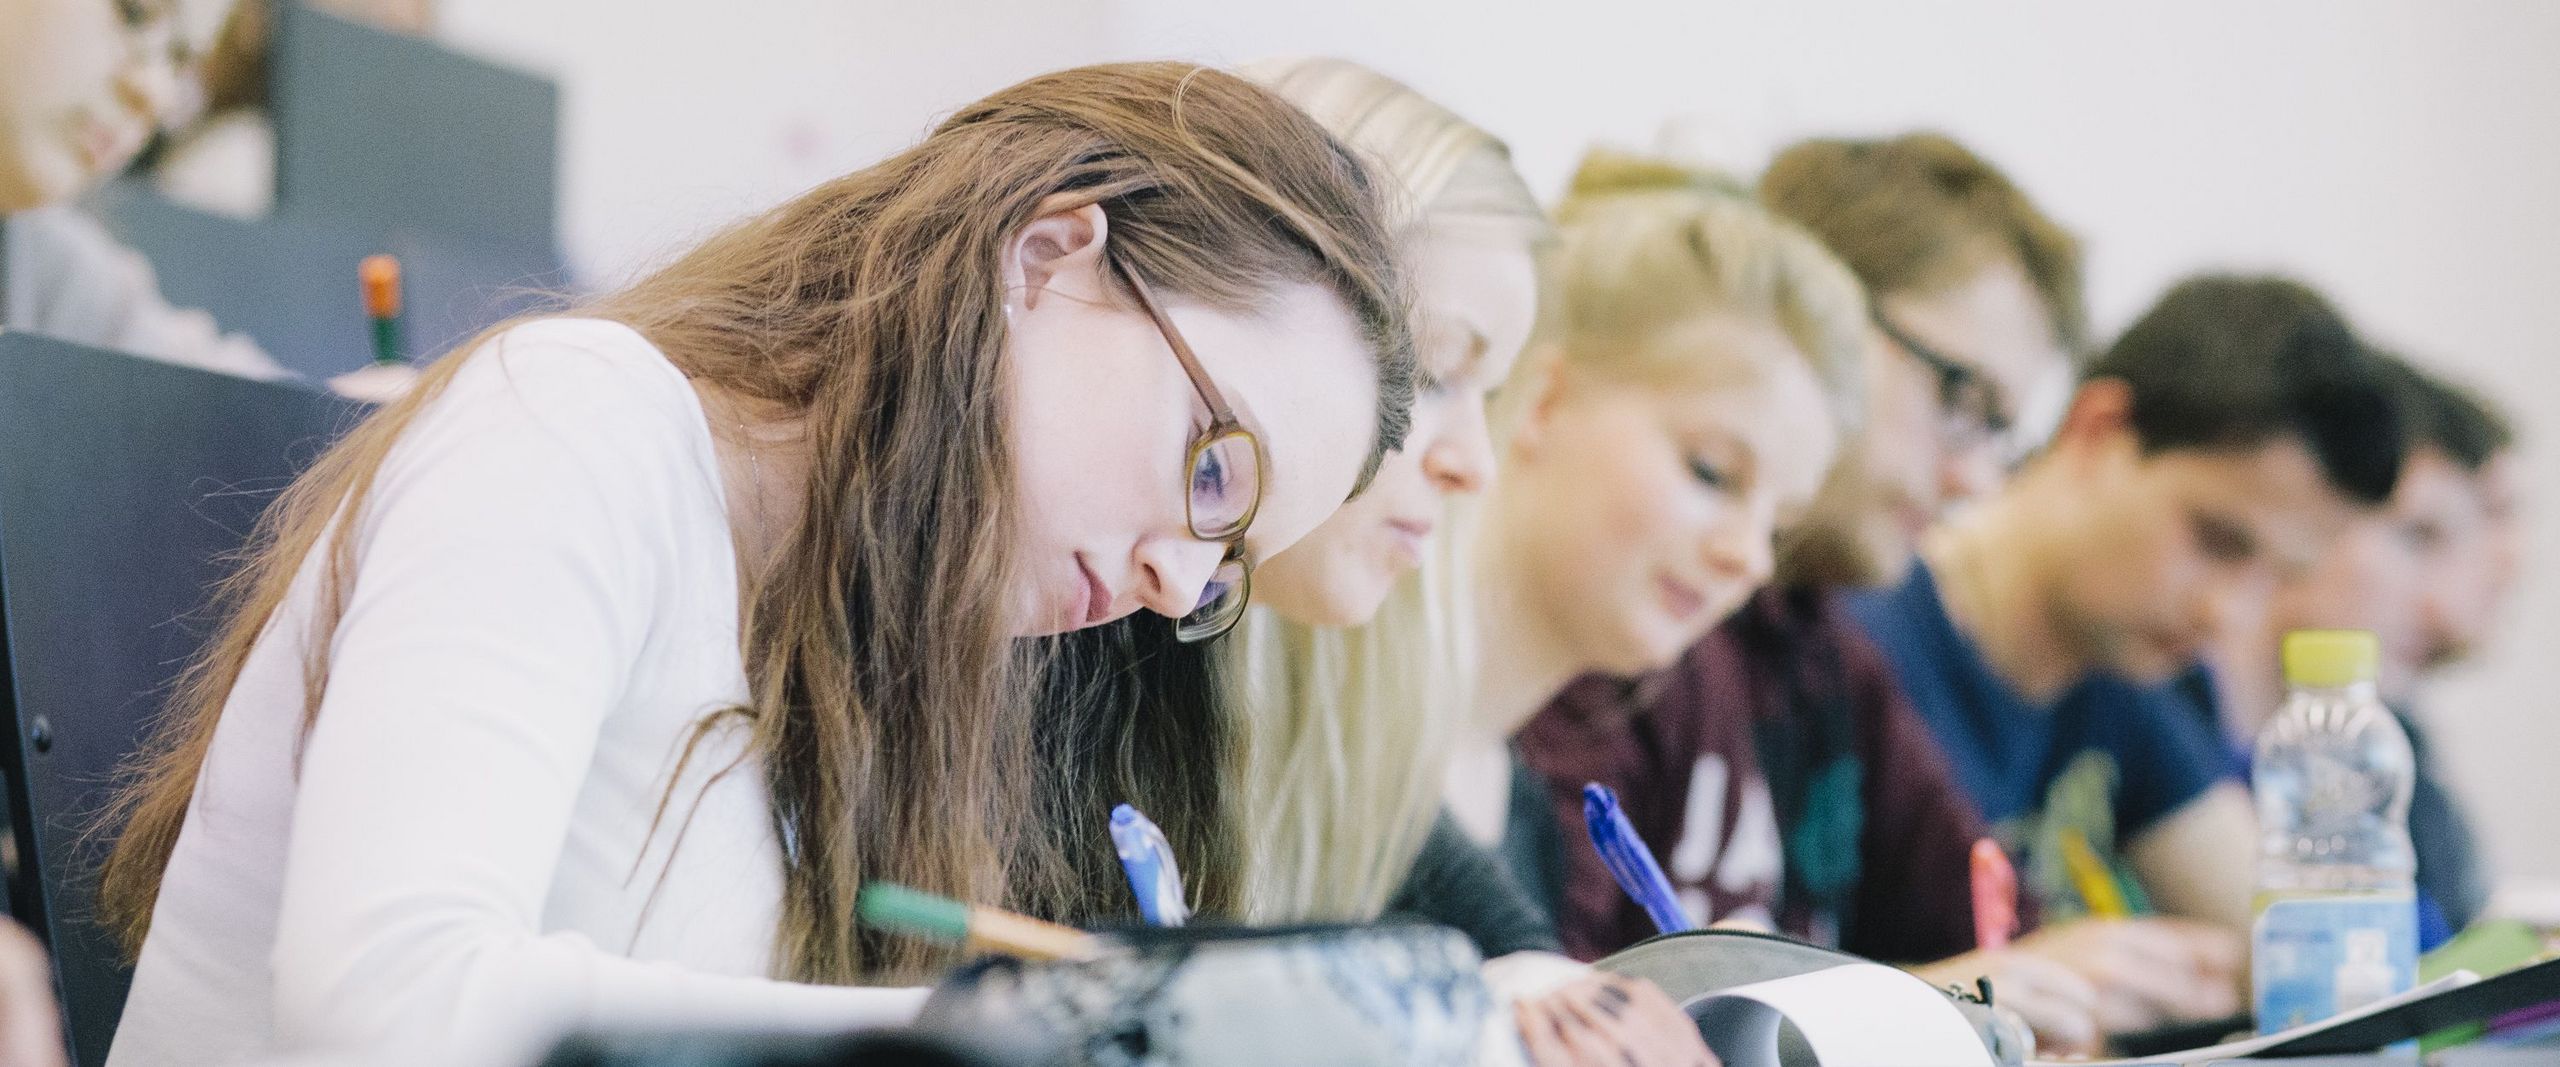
508 565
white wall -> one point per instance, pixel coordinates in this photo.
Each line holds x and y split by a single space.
2404 156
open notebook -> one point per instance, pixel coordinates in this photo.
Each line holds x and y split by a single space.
1868 1015
2288 1042
1853 1015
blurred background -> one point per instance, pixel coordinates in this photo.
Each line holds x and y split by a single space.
2403 157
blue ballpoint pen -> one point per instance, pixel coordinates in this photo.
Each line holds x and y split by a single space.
1148 858
1630 862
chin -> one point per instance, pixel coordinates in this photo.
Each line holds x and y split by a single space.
1643 650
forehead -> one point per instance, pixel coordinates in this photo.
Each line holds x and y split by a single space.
1301 376
2433 486
1473 278
1992 318
2277 488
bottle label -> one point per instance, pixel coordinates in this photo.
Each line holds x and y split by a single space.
2316 956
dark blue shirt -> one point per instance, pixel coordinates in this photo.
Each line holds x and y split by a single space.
2105 761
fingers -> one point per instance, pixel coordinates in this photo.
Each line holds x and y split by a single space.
2061 1029
1540 1034
1662 1028
2147 971
1595 1026
2059 1005
1607 1021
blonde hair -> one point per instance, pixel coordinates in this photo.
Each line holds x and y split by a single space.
1648 244
1347 727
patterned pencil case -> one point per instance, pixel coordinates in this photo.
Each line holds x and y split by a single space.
1387 994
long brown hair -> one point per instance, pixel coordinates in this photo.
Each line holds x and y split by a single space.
890 709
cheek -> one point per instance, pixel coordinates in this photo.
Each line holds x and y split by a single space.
1344 542
1634 517
1088 461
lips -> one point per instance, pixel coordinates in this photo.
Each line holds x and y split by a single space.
1411 535
1682 600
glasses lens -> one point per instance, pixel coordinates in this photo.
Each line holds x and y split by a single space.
1222 602
1225 486
1973 408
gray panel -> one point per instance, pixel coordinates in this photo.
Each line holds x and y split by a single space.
290 283
382 129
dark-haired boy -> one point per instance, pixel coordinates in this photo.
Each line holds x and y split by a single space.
2215 449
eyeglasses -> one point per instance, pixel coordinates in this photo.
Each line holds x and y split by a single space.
1222 485
1975 411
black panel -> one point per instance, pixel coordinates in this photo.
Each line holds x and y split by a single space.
122 483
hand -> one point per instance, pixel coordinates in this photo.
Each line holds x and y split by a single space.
30 1030
2148 972
2054 1001
1603 1020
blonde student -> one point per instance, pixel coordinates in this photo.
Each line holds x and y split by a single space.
1354 664
589 682
1707 364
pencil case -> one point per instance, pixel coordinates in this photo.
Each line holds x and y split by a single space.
1208 996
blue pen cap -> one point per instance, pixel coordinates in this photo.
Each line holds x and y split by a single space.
1630 861
1148 859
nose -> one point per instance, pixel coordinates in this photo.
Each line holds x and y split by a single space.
1172 572
1968 473
1741 547
1460 459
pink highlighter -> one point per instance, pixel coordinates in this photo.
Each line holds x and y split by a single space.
1995 896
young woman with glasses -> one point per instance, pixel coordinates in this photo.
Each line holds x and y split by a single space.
589 683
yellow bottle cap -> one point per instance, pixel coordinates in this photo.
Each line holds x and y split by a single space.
2328 659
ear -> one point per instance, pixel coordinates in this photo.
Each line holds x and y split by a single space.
1058 253
2101 412
1547 384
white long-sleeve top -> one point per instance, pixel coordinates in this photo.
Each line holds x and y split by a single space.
461 863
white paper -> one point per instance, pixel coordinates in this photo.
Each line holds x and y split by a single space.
1859 1015
2239 1049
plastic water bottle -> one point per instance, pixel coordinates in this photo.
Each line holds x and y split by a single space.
2337 912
